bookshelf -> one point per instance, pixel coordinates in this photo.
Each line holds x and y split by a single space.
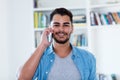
41 21
98 37
105 14
104 36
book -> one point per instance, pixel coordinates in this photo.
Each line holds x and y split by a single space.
104 19
97 15
35 3
118 14
116 17
42 20
74 40
83 40
93 19
102 77
37 37
113 77
35 19
79 18
79 40
110 18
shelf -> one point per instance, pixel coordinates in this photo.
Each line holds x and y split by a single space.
39 29
61 3
106 26
43 9
76 28
105 5
52 8
80 27
78 10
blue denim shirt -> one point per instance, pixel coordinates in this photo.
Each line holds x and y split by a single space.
84 61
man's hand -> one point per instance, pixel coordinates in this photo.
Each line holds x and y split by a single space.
29 68
44 38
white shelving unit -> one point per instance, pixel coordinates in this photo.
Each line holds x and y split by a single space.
105 40
76 10
104 5
94 34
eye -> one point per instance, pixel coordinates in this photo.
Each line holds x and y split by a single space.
66 25
56 25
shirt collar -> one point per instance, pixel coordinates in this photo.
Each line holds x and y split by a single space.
50 50
74 50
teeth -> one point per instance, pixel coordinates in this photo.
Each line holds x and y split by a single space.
60 34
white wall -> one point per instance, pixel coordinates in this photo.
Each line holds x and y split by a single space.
16 23
106 42
3 41
17 40
107 49
20 34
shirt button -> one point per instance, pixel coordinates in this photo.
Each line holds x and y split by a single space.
36 78
46 72
51 60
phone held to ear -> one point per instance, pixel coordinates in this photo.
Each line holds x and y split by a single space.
50 37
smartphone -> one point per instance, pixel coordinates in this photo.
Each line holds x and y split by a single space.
50 37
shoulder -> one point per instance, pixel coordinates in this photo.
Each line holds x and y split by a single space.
48 51
83 53
85 57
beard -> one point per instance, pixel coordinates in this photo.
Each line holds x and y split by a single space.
61 41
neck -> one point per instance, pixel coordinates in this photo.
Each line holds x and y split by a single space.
62 50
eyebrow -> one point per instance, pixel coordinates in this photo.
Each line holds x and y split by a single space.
63 23
56 23
66 23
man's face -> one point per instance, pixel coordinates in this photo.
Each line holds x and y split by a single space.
62 28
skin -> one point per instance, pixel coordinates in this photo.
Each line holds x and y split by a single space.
61 28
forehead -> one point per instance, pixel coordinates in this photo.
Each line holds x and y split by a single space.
60 18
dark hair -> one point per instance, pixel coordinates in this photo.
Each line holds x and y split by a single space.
61 11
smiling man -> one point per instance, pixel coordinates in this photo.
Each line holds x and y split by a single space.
59 59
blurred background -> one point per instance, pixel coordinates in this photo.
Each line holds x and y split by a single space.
18 33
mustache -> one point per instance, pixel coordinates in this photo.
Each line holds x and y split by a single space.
61 32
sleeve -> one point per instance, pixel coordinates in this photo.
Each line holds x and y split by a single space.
92 69
35 77
38 72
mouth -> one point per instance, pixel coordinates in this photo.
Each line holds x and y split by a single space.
61 34
61 37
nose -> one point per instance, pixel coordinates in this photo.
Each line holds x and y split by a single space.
61 28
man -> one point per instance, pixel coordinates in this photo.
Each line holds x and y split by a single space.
59 60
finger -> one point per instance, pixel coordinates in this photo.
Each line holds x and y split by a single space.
47 31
